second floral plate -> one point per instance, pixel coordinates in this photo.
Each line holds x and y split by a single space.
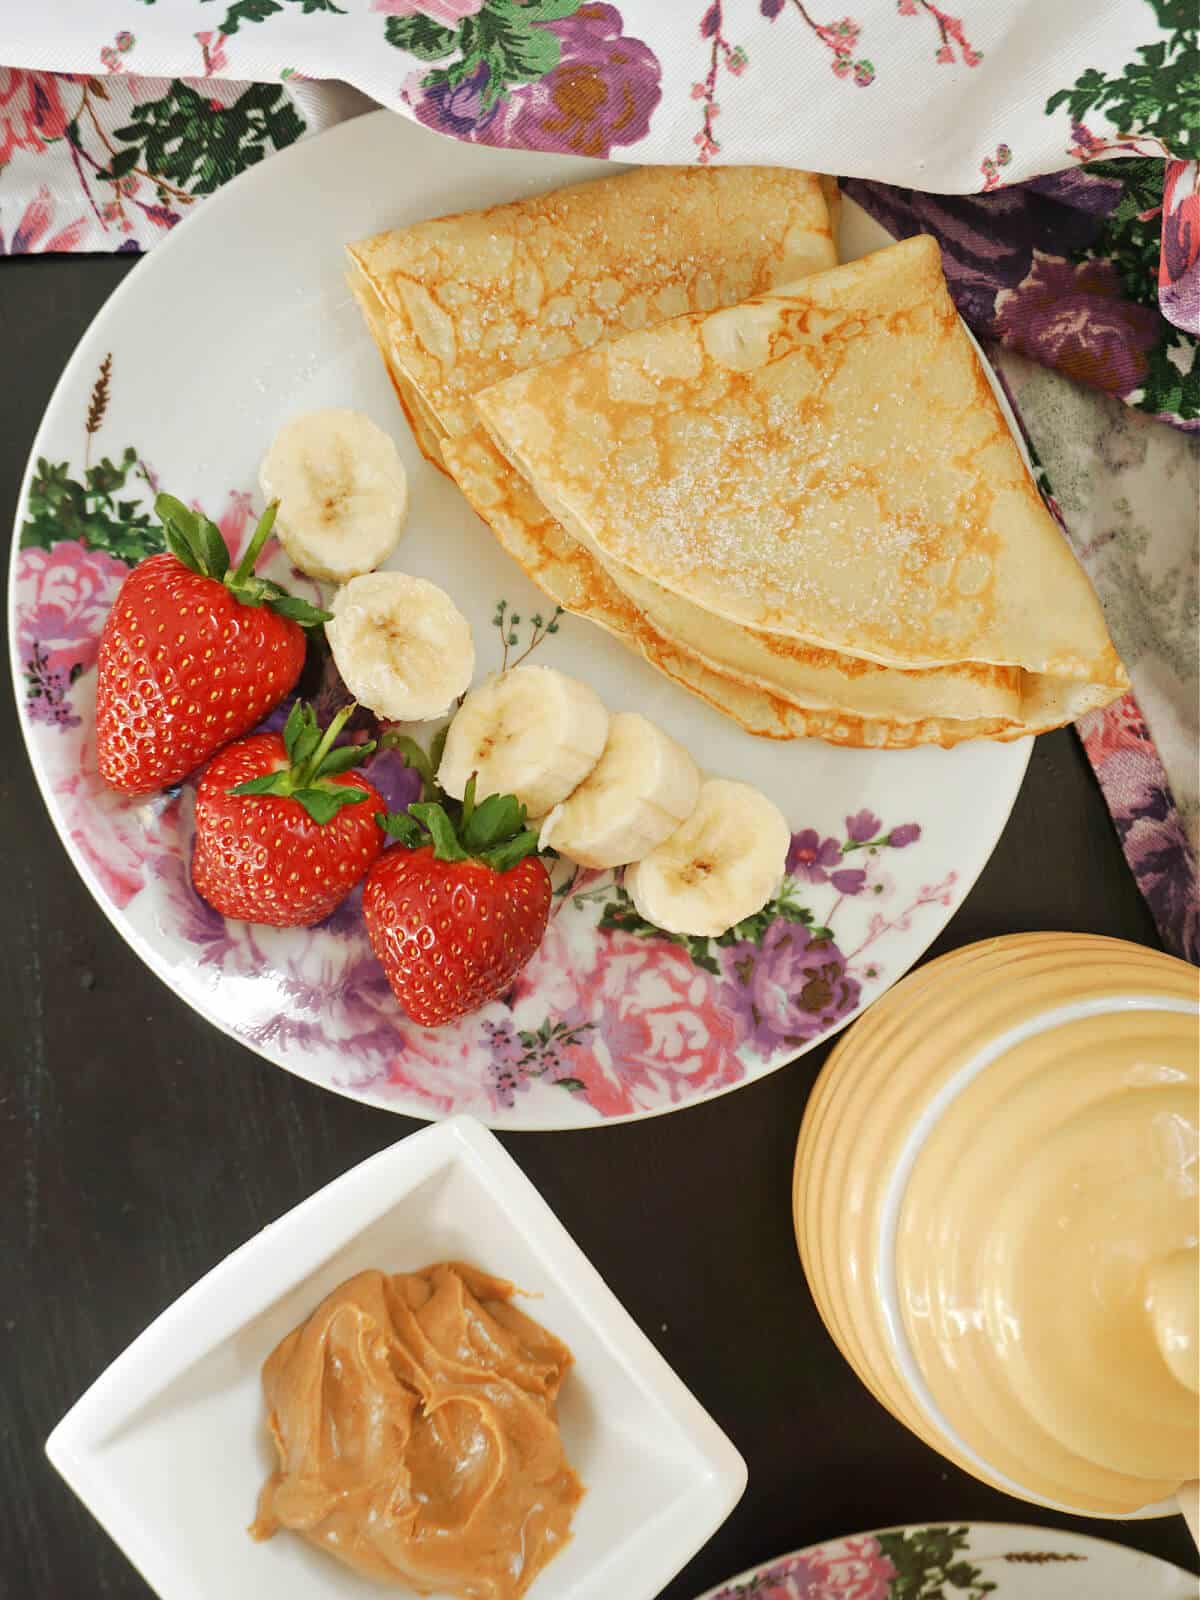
242 319
967 1562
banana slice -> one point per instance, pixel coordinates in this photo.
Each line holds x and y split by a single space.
641 789
342 492
531 732
402 646
720 866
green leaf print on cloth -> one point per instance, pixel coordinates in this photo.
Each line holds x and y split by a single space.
261 10
545 75
1132 232
502 44
193 142
421 36
1155 97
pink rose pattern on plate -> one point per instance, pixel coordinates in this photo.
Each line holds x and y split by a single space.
850 1569
931 1563
610 1012
70 589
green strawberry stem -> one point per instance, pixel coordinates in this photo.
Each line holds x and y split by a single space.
312 763
197 542
492 831
254 549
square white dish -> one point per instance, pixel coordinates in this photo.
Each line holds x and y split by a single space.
168 1448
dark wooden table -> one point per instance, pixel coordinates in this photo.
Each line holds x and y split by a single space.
138 1146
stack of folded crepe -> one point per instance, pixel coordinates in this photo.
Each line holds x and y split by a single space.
787 483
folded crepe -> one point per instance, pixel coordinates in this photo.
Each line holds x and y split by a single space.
825 464
635 243
824 689
459 302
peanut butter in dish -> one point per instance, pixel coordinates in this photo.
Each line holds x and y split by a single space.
414 1417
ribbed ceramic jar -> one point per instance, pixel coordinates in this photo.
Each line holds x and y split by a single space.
996 1206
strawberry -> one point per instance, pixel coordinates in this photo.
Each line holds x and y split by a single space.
284 828
456 910
192 655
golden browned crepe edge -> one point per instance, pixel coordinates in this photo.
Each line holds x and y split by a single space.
422 423
1100 672
1029 701
425 430
964 692
568 575
707 678
393 263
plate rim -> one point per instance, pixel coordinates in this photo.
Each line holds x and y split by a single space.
1039 1530
215 204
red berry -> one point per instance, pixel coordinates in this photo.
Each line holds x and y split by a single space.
184 667
452 935
262 857
192 655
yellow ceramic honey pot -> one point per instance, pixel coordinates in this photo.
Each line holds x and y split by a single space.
996 1206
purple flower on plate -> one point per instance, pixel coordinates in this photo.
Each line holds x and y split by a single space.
816 860
850 880
602 92
907 833
810 856
845 1569
506 1066
1074 317
345 920
217 940
48 690
397 782
863 825
789 989
321 684
274 720
329 694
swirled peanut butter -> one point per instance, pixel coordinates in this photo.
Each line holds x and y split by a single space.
414 1419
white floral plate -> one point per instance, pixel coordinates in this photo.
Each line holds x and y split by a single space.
242 318
963 1562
